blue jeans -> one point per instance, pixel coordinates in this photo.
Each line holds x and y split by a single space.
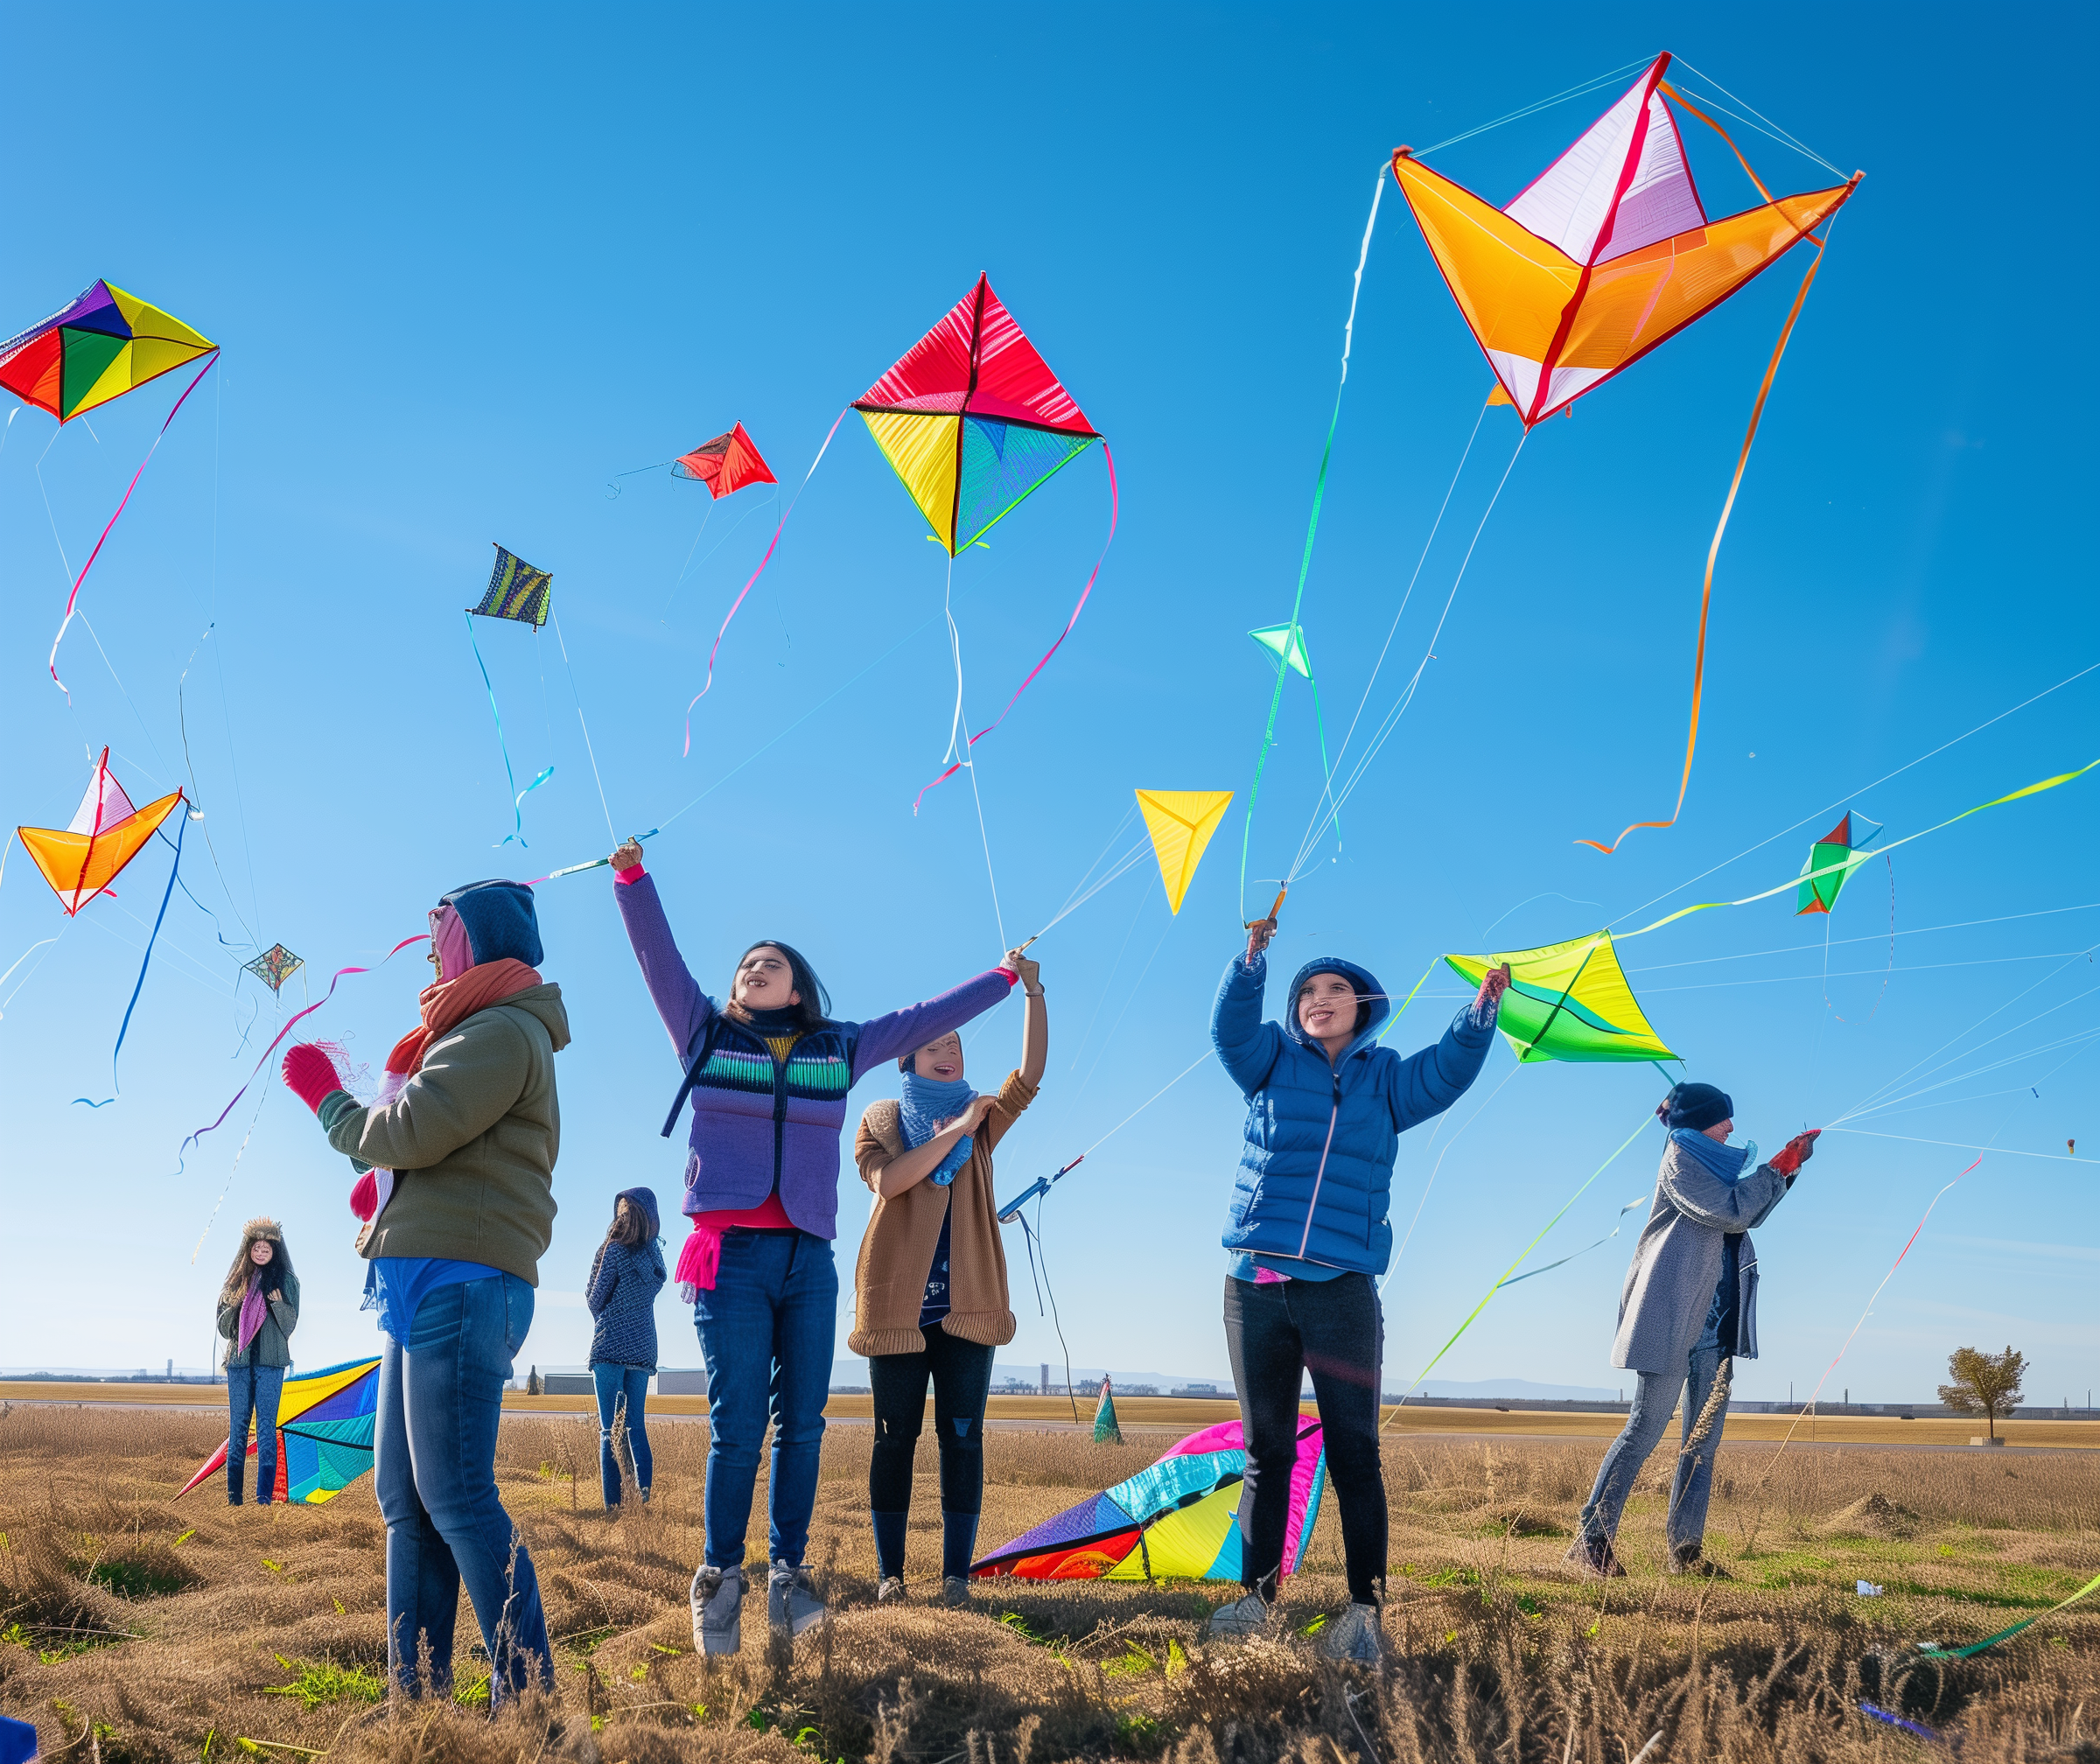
628 1387
253 1391
767 1331
1655 1397
440 1403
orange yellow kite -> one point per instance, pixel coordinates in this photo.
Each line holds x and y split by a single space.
83 859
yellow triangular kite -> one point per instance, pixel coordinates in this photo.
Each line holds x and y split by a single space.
1181 822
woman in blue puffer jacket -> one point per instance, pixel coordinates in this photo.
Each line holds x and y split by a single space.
1309 1238
625 1280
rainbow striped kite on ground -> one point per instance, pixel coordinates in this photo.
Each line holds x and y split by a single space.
324 1426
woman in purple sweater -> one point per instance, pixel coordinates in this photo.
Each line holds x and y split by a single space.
767 1073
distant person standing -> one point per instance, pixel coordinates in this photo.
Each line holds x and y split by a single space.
258 1309
625 1276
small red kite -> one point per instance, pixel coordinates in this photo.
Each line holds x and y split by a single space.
725 465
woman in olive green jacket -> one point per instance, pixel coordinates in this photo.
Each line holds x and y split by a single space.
258 1309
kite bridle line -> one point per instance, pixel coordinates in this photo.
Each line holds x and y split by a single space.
1305 565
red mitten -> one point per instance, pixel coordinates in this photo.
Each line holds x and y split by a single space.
310 1074
1796 1153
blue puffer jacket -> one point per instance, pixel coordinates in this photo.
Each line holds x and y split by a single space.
1317 1171
622 1297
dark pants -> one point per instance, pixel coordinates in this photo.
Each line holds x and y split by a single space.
252 1391
1275 1334
961 1373
623 1393
440 1403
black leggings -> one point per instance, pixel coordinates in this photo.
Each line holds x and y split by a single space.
1275 1334
961 1372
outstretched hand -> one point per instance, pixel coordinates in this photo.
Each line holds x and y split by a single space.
627 854
1494 983
310 1074
1796 1153
1258 934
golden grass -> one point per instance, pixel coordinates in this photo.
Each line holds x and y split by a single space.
133 1627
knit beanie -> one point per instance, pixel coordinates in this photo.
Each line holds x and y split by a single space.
499 920
1698 1106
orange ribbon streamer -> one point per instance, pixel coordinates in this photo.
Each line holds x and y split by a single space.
1699 666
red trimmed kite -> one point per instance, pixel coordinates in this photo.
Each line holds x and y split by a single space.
1605 255
725 465
102 346
106 833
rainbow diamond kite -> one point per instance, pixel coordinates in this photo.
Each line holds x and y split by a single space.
972 419
325 1422
99 347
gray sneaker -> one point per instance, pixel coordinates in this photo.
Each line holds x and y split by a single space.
791 1601
955 1592
717 1609
1248 1616
890 1591
1353 1636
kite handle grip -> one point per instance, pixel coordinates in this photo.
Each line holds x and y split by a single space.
1276 907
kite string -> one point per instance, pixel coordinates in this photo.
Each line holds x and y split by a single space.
73 599
124 1028
755 574
1713 550
590 752
1537 105
517 807
1304 562
1114 501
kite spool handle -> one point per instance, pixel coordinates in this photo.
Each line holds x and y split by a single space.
1023 949
1276 907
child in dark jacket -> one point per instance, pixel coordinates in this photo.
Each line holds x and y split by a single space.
625 1276
768 1071
1309 1237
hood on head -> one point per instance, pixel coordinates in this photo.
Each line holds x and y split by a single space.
1362 979
544 1001
494 919
643 1198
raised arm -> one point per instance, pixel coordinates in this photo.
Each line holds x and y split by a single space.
1712 1200
1247 1046
885 1038
1035 1019
677 995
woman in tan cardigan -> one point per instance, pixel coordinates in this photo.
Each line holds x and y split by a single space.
930 1289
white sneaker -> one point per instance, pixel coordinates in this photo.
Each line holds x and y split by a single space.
717 1609
791 1601
891 1590
1248 1616
1355 1636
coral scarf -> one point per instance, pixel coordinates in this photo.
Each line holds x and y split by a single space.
446 1006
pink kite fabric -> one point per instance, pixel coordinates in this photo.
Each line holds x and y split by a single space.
73 599
1113 503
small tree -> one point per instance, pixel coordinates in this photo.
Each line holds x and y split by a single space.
1986 1384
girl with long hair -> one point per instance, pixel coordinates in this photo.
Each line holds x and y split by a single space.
626 1274
768 1071
258 1309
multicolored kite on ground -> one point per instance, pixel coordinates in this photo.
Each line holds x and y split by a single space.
971 419
1568 1001
325 1426
1178 1517
1605 255
725 465
105 834
102 346
1181 822
274 966
1841 845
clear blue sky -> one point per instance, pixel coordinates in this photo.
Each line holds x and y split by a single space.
468 265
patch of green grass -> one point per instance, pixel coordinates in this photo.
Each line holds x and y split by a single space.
67 1649
133 1579
1143 1734
324 1680
1134 1661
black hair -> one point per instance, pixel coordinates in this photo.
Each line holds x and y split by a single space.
633 1228
1363 1004
814 1011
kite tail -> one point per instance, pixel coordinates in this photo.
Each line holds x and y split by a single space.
334 980
1113 503
517 809
686 752
73 599
124 1028
1699 666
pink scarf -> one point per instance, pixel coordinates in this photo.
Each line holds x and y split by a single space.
253 1309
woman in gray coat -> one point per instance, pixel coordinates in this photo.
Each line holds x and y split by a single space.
258 1309
1689 1306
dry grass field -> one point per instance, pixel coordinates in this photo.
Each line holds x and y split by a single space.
133 1627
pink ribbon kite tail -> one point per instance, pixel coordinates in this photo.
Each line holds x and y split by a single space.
1113 503
73 599
755 574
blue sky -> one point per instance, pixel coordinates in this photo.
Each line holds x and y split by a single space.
466 266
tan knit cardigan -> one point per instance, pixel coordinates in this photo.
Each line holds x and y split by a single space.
897 1253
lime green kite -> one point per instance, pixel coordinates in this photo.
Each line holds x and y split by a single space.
1569 1001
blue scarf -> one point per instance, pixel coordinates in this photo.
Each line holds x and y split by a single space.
928 1100
1728 1162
